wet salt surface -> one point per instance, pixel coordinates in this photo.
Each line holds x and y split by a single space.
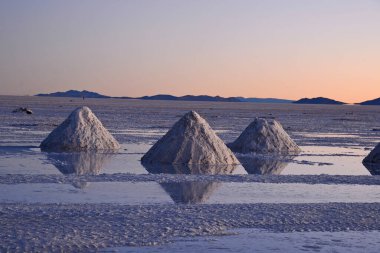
83 192
255 240
138 124
313 160
30 160
146 193
328 160
30 226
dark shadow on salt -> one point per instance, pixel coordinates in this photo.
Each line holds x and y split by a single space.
264 164
79 163
190 192
188 169
373 168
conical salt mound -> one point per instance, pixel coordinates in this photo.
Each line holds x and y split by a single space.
190 141
81 131
264 136
373 156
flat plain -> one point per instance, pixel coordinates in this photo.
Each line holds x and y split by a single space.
48 204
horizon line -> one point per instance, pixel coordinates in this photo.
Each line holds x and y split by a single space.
157 94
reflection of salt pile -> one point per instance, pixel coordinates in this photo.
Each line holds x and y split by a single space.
264 136
190 192
263 164
79 163
80 184
190 141
373 156
372 161
80 131
189 168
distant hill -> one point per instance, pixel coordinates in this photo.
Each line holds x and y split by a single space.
266 100
215 99
190 98
89 94
319 101
159 97
208 98
371 102
74 94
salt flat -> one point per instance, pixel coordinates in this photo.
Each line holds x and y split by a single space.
256 240
50 202
57 227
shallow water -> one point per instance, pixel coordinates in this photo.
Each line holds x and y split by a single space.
30 160
83 192
313 160
147 193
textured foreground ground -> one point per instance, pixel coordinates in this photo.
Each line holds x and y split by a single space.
75 228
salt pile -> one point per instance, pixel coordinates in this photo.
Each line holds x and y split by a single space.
374 156
190 141
264 136
81 131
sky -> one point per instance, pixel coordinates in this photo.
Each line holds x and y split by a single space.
270 48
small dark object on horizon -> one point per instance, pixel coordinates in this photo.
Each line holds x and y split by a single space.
376 129
23 109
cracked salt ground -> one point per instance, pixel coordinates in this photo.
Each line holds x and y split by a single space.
147 193
262 241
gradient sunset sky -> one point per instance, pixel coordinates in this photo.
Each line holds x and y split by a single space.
269 48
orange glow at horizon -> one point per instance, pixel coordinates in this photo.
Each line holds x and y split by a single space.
286 49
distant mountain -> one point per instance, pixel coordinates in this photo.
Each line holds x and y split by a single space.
74 94
89 94
159 97
215 99
190 98
208 98
266 100
319 101
371 102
